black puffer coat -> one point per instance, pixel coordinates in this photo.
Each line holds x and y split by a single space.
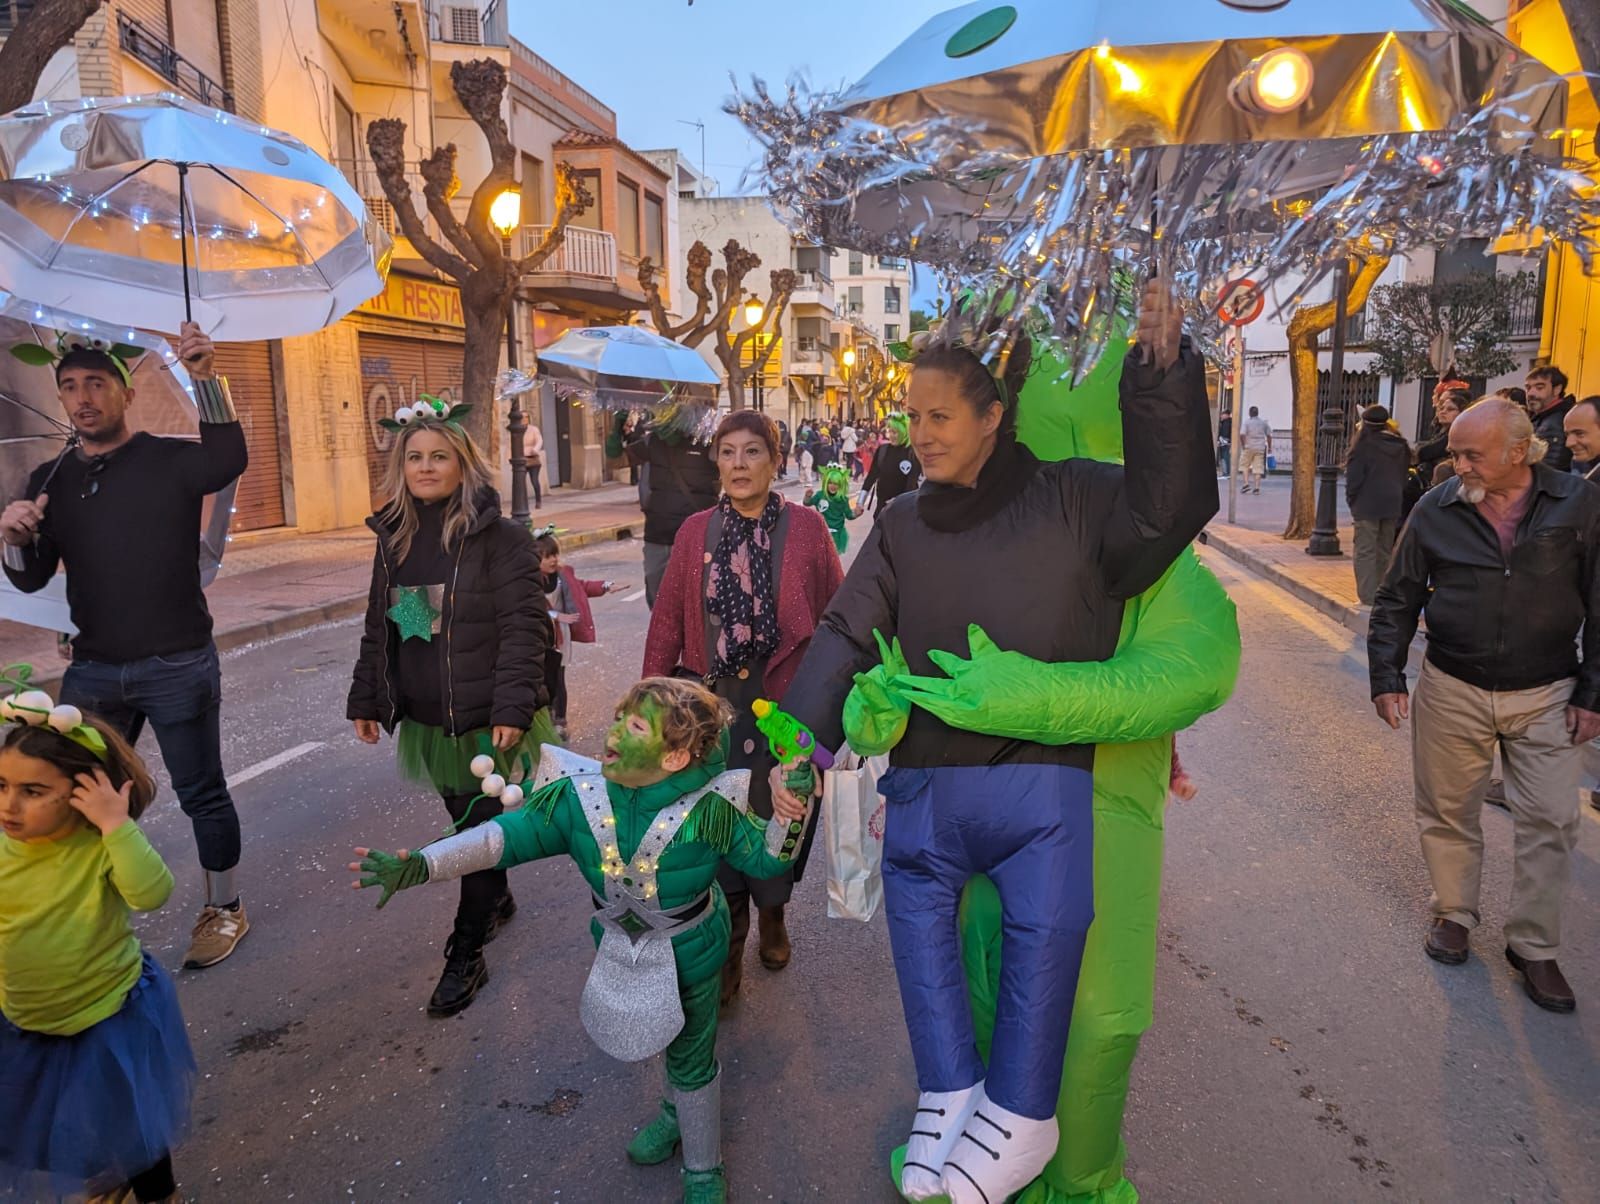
1375 476
683 478
1046 576
492 637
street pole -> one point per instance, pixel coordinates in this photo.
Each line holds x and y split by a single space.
516 427
1325 531
1233 426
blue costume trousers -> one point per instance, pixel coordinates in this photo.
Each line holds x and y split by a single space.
1030 828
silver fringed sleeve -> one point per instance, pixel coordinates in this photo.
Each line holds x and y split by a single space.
478 848
784 840
214 400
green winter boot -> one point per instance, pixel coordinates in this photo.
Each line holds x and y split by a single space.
658 1140
705 1187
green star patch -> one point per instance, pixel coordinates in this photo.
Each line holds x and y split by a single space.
413 613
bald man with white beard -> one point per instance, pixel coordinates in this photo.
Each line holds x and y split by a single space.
1505 560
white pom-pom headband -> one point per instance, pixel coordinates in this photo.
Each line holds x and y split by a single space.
35 708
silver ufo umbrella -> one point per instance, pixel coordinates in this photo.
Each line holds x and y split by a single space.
1039 147
158 209
33 430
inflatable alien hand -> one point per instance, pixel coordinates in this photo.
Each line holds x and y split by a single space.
392 873
876 711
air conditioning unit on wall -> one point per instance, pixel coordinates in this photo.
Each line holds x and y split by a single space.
464 25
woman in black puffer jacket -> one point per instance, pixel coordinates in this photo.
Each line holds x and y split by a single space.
452 657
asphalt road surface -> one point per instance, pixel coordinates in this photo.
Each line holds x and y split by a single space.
1304 1049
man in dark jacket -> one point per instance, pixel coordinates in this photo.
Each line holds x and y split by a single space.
785 449
1505 560
121 513
683 481
1375 486
1548 403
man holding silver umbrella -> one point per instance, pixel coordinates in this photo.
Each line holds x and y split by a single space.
119 510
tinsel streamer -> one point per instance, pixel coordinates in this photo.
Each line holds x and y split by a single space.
1049 236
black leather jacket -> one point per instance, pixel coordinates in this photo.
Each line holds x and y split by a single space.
1495 622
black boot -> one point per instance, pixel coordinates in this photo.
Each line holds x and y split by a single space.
501 915
465 971
733 968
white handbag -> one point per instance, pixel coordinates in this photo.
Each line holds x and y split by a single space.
852 831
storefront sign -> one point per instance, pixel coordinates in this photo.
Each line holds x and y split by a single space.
414 300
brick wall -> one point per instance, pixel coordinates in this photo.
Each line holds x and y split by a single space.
99 60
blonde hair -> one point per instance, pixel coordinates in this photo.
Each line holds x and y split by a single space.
399 509
1516 424
692 717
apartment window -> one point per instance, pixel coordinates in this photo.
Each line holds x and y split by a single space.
12 11
686 195
628 217
891 298
890 264
854 304
532 191
856 263
655 229
891 331
589 219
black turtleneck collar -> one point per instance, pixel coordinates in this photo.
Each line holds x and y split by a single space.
1003 477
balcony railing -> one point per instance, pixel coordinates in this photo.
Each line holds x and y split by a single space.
1355 332
155 52
1527 315
363 176
813 280
582 253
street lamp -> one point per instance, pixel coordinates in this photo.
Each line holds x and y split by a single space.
849 359
754 311
505 215
1325 528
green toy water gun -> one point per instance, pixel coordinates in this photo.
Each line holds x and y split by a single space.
789 741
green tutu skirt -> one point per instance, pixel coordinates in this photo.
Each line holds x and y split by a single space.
428 756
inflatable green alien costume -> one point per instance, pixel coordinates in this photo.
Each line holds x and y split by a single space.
1176 660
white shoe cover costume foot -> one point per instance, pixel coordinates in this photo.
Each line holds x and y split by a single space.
939 1120
998 1153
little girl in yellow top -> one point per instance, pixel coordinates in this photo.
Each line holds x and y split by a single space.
96 1073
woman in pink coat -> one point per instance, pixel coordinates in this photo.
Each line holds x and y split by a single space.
745 587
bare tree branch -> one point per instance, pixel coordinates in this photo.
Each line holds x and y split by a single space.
386 139
33 43
572 198
692 332
439 184
480 85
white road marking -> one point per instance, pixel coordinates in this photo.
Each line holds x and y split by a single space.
271 763
635 596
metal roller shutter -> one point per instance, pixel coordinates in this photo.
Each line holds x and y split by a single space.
395 372
248 367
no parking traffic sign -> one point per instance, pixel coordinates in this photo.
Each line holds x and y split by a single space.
1242 302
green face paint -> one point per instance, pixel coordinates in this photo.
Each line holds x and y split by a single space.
635 748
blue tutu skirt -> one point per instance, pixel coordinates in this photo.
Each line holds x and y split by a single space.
88 1112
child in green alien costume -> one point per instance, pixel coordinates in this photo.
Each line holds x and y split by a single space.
1176 660
648 827
832 498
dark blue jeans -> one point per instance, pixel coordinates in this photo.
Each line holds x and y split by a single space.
181 696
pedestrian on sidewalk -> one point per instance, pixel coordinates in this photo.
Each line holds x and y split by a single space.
1448 401
1505 562
1374 486
1225 444
746 586
452 659
121 514
785 449
1548 402
682 481
533 453
96 1073
567 597
1255 445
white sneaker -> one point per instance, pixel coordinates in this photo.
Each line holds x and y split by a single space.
940 1117
998 1153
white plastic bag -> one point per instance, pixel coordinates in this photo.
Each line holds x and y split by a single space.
852 833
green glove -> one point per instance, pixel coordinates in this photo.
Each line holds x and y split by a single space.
877 710
1182 667
801 779
392 873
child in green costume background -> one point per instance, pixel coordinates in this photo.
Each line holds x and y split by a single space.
1176 660
647 826
832 498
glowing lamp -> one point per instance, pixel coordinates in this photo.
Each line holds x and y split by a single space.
505 212
1276 82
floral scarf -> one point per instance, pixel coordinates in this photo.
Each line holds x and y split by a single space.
739 588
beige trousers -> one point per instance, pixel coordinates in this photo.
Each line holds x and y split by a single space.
1454 729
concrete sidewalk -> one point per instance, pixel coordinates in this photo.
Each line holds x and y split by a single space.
1326 583
276 582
